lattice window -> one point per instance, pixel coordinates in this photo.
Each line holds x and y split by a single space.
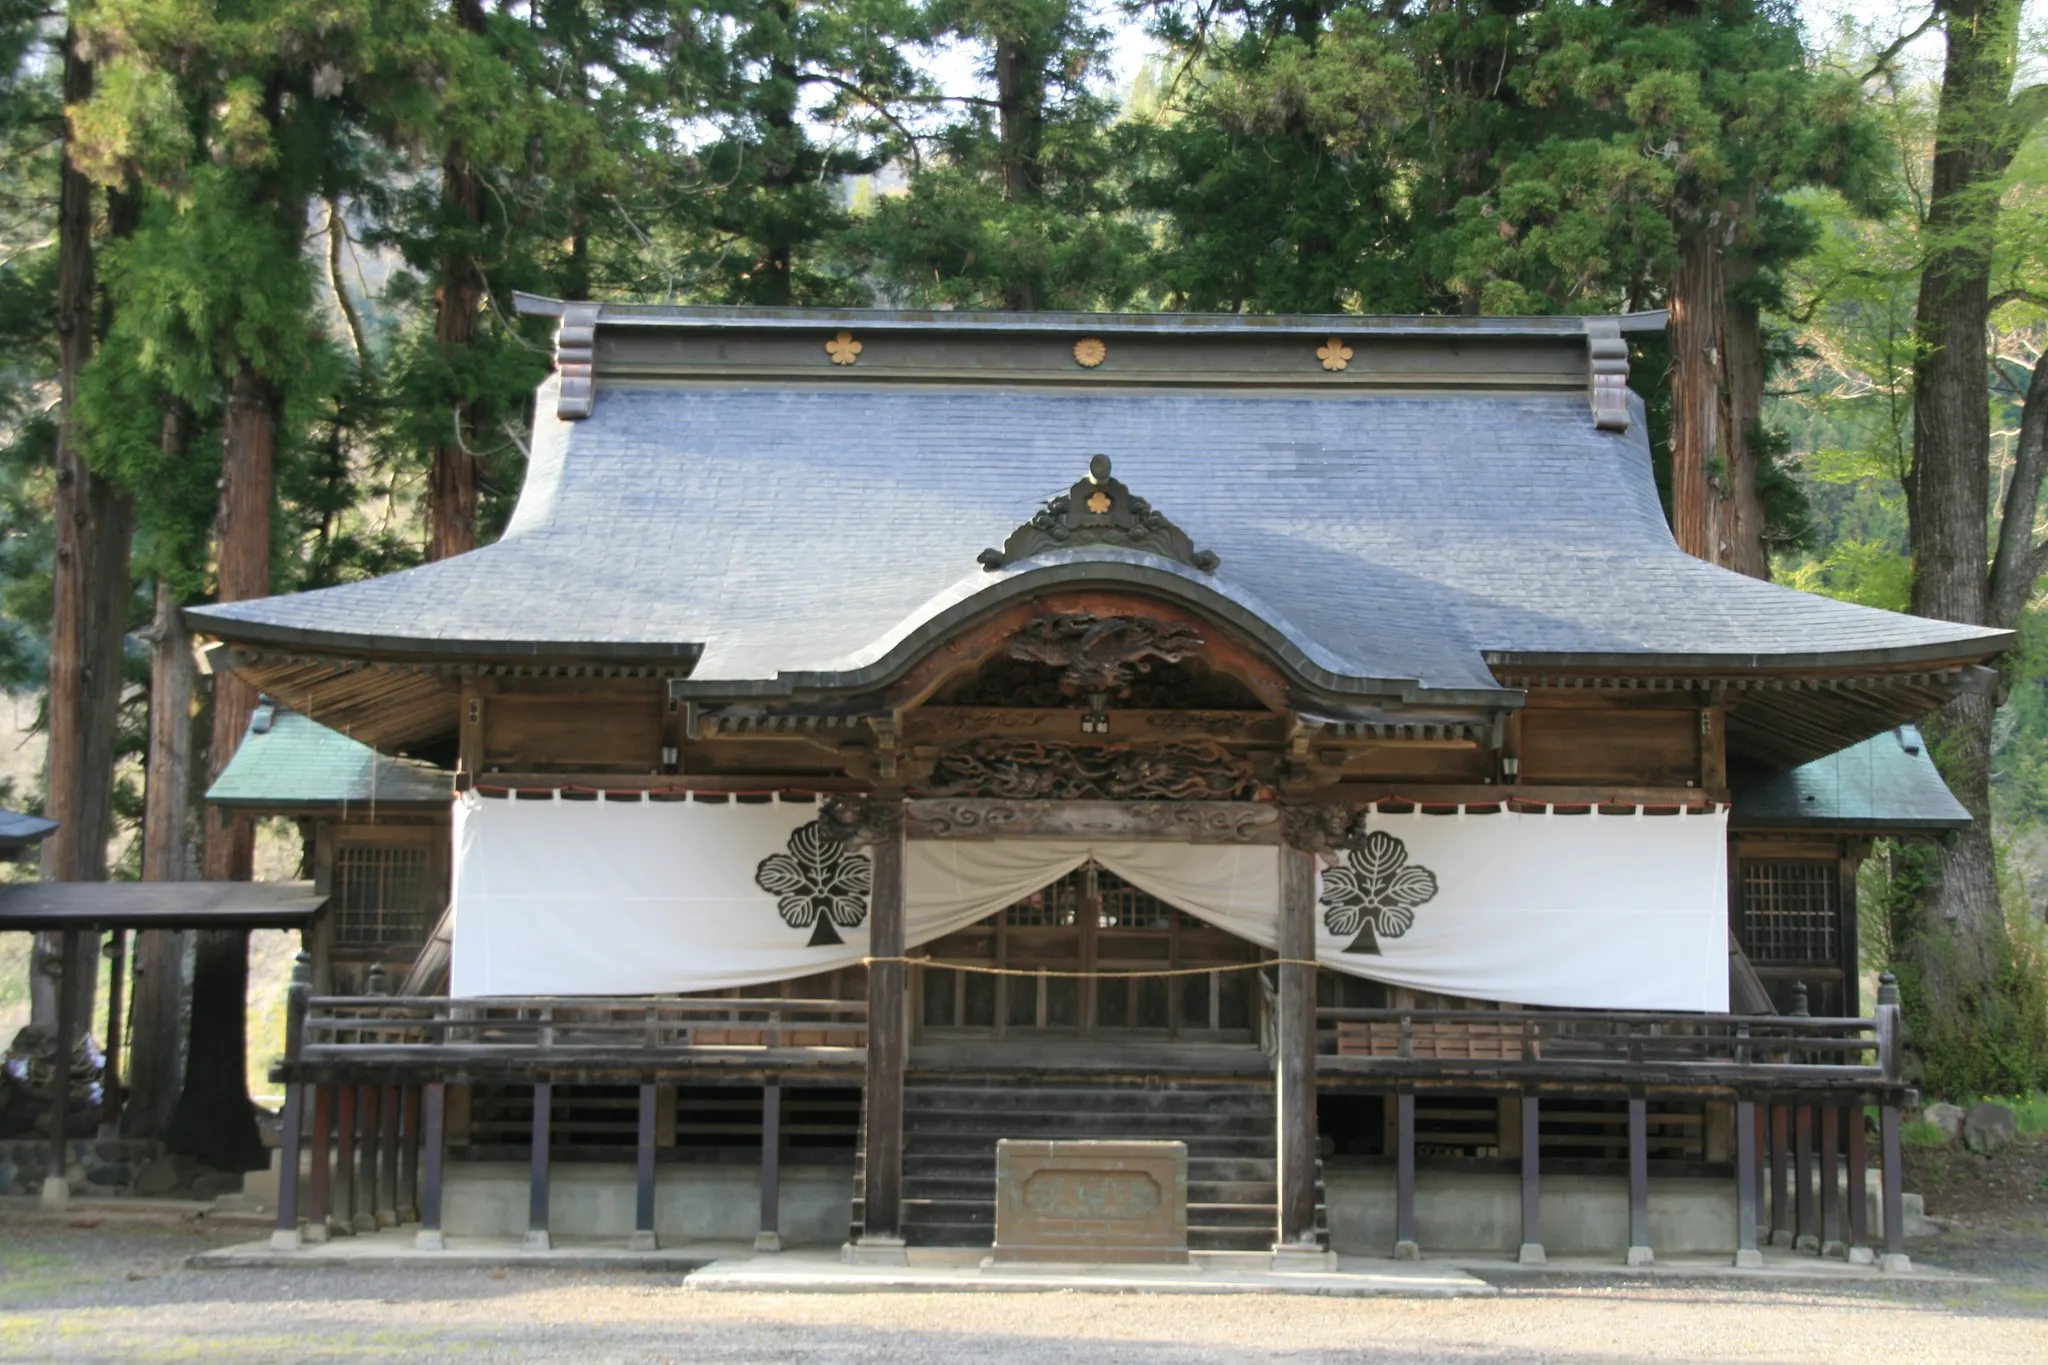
384 896
1126 907
1791 912
1055 905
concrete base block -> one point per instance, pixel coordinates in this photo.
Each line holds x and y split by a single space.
314 1233
429 1239
285 1239
408 1215
1749 1260
1303 1260
767 1241
56 1193
386 1218
875 1251
1808 1243
1898 1263
1531 1253
364 1224
1407 1251
537 1239
644 1240
1782 1238
1834 1250
1862 1256
1641 1256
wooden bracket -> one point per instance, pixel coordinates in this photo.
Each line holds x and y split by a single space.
1607 373
575 360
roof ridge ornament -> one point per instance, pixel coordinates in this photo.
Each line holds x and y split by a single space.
1099 510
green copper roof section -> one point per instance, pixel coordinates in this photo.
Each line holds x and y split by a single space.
1885 785
286 760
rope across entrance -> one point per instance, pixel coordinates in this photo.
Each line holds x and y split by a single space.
1096 975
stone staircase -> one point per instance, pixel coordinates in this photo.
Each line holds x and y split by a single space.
951 1125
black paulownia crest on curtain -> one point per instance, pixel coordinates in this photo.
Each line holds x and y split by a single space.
1375 892
818 883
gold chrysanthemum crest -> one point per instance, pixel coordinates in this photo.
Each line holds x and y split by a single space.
1090 352
1334 354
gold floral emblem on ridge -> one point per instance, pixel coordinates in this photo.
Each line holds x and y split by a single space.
1334 354
843 349
1090 352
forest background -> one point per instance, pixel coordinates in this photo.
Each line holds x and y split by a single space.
256 332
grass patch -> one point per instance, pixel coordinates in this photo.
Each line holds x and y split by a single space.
1921 1133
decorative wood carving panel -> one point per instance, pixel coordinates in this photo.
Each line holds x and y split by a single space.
1191 822
1037 770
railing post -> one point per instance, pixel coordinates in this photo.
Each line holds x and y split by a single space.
434 1104
408 1154
1781 1176
366 1179
1890 1036
1857 1187
1747 1253
1531 1250
1807 1236
1889 1029
285 1236
342 1217
1639 1252
537 1192
769 1238
1406 1247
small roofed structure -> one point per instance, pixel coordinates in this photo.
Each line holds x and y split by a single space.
376 835
75 908
19 833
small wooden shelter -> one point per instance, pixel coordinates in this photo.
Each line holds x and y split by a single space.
1298 737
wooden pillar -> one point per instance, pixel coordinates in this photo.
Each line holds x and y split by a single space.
1831 1243
1406 1248
433 1143
769 1238
1747 1124
342 1218
1807 1233
643 1173
316 1194
1894 1257
881 1238
1857 1187
537 1192
56 1185
1531 1252
1639 1252
408 1154
369 1142
110 1085
1781 1176
387 1165
1295 1073
285 1236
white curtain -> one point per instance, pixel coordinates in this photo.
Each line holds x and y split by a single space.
562 897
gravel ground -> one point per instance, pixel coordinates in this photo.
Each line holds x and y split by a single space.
117 1291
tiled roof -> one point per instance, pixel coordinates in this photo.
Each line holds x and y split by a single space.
18 831
1885 784
791 527
286 760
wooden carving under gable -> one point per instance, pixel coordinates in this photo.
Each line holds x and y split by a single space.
1101 654
1037 770
1099 510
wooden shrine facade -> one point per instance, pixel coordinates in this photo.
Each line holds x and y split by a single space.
1272 585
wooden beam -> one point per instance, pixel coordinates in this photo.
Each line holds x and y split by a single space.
537 1182
1894 1257
881 1237
1406 1248
285 1235
1781 1176
1639 1252
1296 1072
1807 1230
1857 1186
769 1238
367 1105
387 1164
433 1150
1747 1124
342 1218
643 1171
323 1155
1531 1251
56 1193
408 1154
1831 1182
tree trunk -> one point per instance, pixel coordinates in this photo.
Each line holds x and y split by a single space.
169 827
89 599
1020 138
451 498
1948 491
215 1119
1742 348
1699 417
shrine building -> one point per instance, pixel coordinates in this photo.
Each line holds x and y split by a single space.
880 735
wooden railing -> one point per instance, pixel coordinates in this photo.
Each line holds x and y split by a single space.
542 1028
1600 1045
